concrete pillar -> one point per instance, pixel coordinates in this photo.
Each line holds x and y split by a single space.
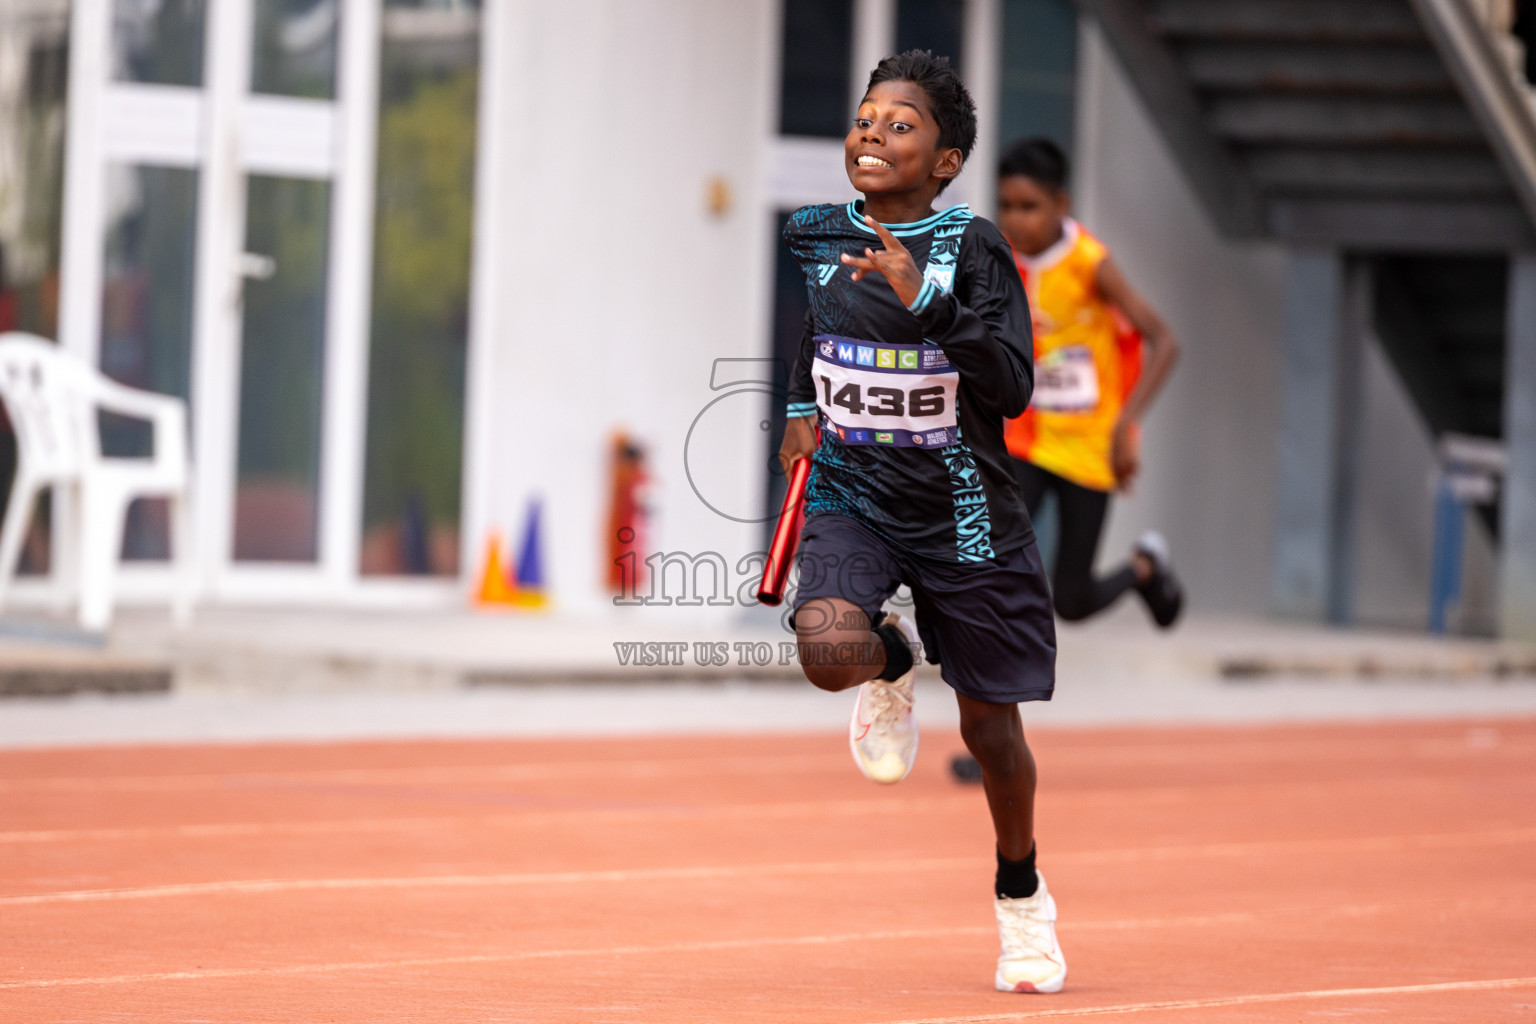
1327 311
1517 518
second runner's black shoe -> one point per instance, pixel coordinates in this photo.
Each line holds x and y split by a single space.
1163 594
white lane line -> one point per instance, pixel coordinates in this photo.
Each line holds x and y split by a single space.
1491 984
1311 911
1124 924
269 885
1375 844
647 768
1359 844
493 958
958 801
751 812
1183 751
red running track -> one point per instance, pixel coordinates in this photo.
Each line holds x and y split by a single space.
1383 872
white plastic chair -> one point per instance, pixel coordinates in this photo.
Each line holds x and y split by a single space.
53 399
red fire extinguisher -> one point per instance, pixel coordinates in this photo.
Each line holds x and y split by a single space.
627 512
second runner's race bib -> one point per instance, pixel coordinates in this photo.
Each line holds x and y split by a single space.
899 395
1066 380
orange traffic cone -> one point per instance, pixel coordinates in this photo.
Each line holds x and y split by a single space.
495 585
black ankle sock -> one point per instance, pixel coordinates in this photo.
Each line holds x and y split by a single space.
1016 879
898 653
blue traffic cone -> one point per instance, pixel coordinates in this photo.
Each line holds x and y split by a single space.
530 560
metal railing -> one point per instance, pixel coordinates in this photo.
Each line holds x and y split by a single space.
1498 17
1470 473
1479 49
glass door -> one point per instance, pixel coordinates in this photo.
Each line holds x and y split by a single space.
288 127
219 207
277 499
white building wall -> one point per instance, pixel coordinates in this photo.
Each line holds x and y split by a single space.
1208 471
1395 513
614 286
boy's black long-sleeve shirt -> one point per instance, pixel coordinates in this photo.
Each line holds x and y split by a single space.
912 441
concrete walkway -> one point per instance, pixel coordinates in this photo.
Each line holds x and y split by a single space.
249 675
324 649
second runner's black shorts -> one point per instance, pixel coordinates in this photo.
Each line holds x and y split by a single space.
987 625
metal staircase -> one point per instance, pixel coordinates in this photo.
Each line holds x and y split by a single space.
1367 124
1391 144
1402 132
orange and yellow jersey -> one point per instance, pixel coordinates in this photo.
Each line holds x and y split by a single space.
1087 359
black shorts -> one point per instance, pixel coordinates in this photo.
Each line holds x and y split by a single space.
988 625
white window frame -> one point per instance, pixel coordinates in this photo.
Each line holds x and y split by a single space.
226 133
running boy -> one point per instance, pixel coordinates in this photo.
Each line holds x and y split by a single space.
1081 437
917 347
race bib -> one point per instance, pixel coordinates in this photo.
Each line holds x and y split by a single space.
1066 380
898 395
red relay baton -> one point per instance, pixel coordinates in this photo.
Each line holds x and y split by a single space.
785 536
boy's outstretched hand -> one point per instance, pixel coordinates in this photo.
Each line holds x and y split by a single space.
893 263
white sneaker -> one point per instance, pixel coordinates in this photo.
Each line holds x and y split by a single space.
883 732
1031 959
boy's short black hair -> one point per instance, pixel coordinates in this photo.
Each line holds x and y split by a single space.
1039 159
951 104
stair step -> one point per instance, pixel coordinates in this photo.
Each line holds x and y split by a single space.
1430 225
51 657
45 680
1343 120
1310 67
1387 172
1382 21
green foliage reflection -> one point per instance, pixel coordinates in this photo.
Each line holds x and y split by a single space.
422 243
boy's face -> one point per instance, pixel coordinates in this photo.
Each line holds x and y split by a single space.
1030 214
894 145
